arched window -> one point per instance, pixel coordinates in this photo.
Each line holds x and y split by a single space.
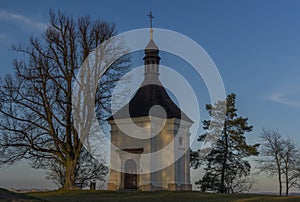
180 141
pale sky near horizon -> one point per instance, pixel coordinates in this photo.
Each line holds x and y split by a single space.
254 44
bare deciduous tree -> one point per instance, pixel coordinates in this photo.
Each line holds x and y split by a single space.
36 101
242 184
88 170
290 164
270 160
279 157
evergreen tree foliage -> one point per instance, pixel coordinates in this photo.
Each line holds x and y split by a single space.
226 165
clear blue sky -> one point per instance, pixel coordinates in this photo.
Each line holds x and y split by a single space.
255 45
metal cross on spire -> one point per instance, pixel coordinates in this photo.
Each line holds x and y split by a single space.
151 18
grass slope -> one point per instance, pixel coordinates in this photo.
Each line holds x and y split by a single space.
6 195
72 196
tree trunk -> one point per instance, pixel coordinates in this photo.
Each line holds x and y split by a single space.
280 183
287 184
70 175
222 188
223 172
279 173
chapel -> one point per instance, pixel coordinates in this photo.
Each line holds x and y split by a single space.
153 154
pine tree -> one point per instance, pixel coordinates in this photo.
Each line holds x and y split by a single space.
227 163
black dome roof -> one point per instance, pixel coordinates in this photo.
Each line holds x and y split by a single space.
151 93
145 98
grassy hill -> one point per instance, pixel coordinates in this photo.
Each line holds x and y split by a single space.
6 195
72 196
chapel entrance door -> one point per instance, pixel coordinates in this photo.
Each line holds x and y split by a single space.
130 178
